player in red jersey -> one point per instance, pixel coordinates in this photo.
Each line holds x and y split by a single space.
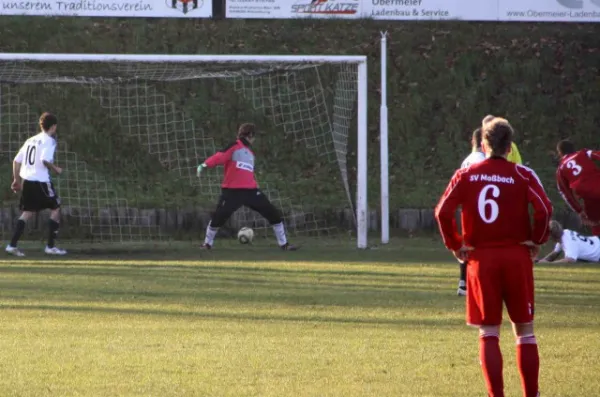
498 242
578 177
239 188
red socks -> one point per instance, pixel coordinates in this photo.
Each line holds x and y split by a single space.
528 361
491 363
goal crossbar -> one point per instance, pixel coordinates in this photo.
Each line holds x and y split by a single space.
361 69
147 58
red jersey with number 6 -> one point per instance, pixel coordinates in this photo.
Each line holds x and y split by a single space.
495 196
577 173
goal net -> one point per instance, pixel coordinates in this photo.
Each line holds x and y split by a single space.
132 130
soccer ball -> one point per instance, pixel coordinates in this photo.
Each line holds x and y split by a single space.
245 235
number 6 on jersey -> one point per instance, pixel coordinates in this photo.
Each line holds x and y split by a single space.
487 205
495 198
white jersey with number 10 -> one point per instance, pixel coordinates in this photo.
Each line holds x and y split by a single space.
576 246
33 153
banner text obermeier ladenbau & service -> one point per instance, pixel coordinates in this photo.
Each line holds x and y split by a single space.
468 10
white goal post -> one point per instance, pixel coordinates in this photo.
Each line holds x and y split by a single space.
384 145
15 68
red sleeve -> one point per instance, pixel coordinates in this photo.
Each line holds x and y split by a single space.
542 210
566 193
445 213
593 154
220 158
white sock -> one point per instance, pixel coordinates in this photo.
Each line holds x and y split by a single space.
279 231
211 233
462 284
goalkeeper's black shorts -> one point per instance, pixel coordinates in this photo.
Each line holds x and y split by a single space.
232 199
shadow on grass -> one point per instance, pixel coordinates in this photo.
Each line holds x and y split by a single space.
436 322
222 285
395 287
170 271
416 250
337 277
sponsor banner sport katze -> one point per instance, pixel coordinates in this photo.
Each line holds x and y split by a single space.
289 9
109 8
467 10
354 9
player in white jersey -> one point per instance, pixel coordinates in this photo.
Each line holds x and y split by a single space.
472 158
31 176
475 157
574 245
476 154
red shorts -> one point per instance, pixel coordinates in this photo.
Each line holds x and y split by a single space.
591 208
590 194
496 275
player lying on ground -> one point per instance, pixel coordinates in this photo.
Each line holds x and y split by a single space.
578 178
574 245
239 188
499 243
31 176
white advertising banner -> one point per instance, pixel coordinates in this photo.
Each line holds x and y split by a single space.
287 9
549 10
414 10
109 8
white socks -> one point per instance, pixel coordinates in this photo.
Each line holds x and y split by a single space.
211 233
526 340
279 231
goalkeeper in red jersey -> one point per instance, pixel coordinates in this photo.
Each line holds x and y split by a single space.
239 188
498 241
578 178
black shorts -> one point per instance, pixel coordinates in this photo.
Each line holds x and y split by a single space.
38 196
232 199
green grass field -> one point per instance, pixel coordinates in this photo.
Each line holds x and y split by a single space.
325 321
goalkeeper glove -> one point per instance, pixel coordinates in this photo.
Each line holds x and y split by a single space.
199 169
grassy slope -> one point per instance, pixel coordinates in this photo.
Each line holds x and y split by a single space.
443 78
258 322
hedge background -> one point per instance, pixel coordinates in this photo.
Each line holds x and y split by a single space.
443 78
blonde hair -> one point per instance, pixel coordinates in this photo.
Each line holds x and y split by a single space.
487 119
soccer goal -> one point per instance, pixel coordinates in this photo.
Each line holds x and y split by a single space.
133 128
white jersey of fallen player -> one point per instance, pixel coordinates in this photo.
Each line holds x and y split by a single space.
33 153
472 158
576 246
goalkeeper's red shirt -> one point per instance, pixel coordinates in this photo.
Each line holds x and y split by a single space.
577 173
495 195
238 161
